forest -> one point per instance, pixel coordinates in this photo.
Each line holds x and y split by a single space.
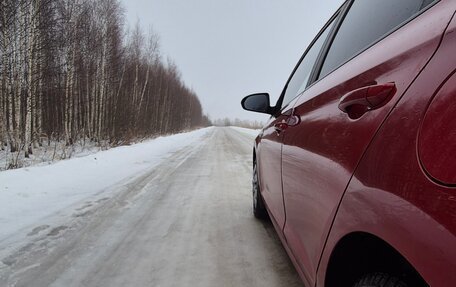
71 70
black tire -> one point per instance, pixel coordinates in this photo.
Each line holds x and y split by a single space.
259 209
380 280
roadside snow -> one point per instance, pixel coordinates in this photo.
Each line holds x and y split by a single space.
29 195
48 153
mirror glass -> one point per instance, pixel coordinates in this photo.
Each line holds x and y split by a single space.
257 103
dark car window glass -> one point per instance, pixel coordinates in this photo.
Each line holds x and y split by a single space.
298 82
366 22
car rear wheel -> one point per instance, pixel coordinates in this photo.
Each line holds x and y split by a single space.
258 205
380 280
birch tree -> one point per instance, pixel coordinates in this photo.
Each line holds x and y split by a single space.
70 71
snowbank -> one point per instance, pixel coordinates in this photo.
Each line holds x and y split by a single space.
31 194
49 153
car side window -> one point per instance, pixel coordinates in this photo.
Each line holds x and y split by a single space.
299 80
365 23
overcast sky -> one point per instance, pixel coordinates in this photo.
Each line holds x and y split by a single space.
227 49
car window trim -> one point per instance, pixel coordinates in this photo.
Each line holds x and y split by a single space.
328 43
394 29
335 17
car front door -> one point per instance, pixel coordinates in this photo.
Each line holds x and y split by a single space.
379 49
269 150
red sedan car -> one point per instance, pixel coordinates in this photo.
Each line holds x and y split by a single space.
357 165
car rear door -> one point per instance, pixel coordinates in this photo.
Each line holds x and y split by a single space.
379 48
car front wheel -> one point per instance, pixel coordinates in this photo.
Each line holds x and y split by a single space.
259 209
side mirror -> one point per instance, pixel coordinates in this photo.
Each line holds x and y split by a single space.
257 103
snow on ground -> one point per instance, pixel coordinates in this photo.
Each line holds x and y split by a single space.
48 153
251 132
30 195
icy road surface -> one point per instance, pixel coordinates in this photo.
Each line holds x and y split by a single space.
185 221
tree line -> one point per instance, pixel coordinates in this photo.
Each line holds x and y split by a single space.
69 70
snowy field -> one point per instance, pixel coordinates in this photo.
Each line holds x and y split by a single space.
48 193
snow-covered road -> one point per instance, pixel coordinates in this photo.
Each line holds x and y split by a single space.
174 214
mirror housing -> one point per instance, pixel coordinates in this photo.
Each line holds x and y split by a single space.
257 103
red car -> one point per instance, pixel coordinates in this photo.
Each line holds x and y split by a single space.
357 165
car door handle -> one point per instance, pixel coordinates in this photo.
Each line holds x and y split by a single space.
291 121
358 102
280 127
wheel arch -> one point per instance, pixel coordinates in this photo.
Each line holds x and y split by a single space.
360 253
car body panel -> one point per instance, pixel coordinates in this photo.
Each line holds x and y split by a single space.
269 162
392 197
320 155
436 141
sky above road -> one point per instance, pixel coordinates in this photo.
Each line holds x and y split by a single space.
227 49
